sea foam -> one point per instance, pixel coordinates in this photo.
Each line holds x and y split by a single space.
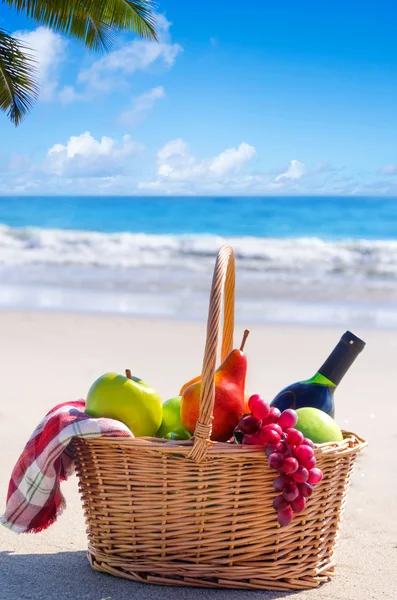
278 258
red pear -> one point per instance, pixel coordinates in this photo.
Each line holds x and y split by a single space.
229 403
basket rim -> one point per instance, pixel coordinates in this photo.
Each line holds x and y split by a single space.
352 443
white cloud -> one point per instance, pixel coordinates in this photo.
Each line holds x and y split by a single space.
173 148
177 168
232 160
140 106
84 156
49 51
85 164
390 169
68 94
174 161
112 70
296 170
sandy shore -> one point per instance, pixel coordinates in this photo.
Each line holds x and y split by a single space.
48 358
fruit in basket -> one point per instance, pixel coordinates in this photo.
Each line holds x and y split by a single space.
316 425
289 453
189 383
127 399
171 423
229 403
186 385
180 435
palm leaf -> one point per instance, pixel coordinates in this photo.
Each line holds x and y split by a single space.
92 21
18 88
143 19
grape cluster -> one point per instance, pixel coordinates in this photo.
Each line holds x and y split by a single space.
288 452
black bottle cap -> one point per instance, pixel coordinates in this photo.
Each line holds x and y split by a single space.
351 339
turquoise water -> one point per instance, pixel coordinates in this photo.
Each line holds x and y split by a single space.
306 260
327 218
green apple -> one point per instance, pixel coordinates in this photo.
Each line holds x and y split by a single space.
317 425
180 435
126 399
171 423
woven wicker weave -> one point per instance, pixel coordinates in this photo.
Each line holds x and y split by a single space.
199 513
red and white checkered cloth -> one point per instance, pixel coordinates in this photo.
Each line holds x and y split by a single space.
34 499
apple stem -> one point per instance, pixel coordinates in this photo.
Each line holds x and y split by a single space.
128 374
246 334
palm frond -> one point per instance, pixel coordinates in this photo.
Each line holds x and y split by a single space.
18 87
94 22
141 18
94 34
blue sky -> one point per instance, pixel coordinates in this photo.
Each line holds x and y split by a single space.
272 98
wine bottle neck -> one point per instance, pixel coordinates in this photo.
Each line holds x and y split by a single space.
319 379
341 358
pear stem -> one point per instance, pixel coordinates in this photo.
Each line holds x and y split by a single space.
246 334
128 374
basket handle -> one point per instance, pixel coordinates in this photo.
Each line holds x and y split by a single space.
223 283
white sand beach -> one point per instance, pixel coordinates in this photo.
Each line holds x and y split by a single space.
52 357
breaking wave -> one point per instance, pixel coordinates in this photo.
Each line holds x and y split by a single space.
275 256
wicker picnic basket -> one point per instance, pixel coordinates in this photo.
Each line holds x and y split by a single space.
199 513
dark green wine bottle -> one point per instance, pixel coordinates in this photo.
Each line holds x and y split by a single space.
318 391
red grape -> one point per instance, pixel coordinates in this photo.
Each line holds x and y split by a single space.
281 447
252 440
290 491
249 424
315 476
279 503
303 453
269 436
299 504
305 489
259 407
308 464
288 419
294 436
270 448
276 461
275 427
288 452
290 465
301 475
252 400
273 416
308 442
280 482
284 517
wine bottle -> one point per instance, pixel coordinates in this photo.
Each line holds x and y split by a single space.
319 390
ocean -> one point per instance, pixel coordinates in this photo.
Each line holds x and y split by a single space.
299 260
